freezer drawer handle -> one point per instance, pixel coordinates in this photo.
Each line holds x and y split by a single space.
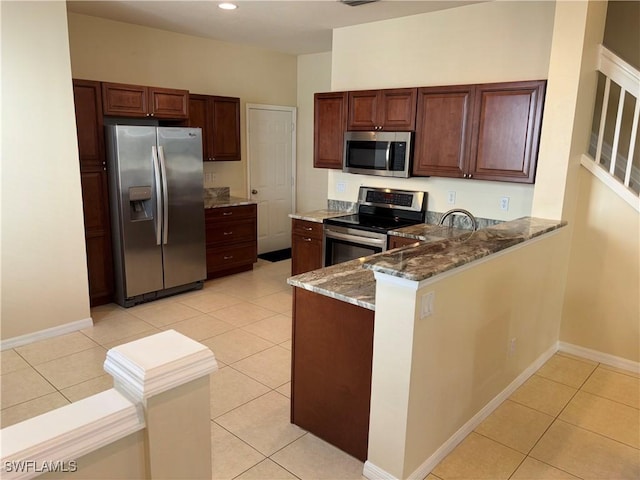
165 197
156 172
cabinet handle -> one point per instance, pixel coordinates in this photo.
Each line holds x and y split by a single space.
228 233
470 175
306 239
464 175
227 257
308 229
226 214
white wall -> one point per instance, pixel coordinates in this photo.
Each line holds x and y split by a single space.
314 75
44 273
479 43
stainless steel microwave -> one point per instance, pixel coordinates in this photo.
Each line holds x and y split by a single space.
378 153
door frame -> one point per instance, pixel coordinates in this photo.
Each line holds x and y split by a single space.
294 130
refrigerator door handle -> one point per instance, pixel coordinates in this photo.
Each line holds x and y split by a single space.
165 197
156 173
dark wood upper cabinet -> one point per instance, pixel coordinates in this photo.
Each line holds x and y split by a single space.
140 101
443 130
506 131
483 132
219 119
330 123
388 109
95 195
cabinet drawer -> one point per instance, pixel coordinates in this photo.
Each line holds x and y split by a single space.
223 258
307 229
221 232
240 211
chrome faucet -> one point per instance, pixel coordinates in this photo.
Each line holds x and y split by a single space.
460 211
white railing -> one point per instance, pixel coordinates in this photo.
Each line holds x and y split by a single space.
609 163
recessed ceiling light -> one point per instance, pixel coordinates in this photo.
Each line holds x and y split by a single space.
227 6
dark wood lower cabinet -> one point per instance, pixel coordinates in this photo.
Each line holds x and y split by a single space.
306 246
231 234
332 353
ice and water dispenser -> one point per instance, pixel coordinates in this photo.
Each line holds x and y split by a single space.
140 207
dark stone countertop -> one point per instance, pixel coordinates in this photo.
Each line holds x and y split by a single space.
442 249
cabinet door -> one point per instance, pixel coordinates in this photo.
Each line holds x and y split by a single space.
391 109
95 196
97 236
124 100
168 103
224 117
306 254
398 112
506 131
88 107
330 123
363 110
443 131
198 119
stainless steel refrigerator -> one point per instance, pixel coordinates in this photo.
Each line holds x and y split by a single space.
157 209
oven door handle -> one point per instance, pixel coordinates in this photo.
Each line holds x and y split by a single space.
370 242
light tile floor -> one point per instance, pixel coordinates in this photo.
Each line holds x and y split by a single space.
572 419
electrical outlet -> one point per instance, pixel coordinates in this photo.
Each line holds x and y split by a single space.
427 304
512 346
451 197
504 203
341 187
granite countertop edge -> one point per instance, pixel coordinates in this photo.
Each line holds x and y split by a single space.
354 281
425 261
221 202
318 216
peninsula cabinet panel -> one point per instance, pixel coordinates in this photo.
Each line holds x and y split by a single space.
330 123
389 109
443 131
332 352
506 131
219 119
140 101
397 242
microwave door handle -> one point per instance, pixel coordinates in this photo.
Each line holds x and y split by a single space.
387 155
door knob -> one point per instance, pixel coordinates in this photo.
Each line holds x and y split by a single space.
254 192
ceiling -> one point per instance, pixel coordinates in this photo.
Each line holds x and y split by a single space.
293 26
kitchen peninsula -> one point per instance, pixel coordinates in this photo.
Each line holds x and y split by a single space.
337 321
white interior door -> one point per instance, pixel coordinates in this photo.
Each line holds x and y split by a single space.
271 160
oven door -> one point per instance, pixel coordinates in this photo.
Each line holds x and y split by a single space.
343 244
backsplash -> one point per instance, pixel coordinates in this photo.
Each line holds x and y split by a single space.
342 206
217 192
460 221
433 218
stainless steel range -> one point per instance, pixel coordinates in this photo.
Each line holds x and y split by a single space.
364 233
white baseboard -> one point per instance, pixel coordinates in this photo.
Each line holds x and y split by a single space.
46 333
373 472
600 357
